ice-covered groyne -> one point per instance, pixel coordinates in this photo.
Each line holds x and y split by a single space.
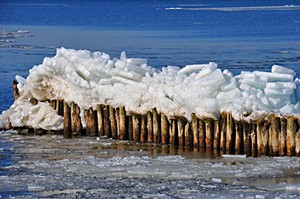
197 105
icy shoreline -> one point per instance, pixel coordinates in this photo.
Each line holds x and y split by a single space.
50 166
91 78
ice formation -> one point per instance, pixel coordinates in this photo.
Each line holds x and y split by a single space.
91 78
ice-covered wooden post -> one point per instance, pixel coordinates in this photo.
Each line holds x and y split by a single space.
113 122
143 137
164 129
208 134
238 137
100 120
290 138
253 136
150 126
297 139
76 126
195 131
188 136
123 130
136 127
201 126
282 137
180 130
156 127
262 137
173 132
274 135
91 122
217 133
67 121
229 134
16 90
247 137
106 121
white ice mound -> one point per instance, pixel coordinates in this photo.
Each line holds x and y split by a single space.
91 78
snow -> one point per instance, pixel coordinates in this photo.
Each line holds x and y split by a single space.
91 78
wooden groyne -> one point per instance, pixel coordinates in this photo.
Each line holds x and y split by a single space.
269 136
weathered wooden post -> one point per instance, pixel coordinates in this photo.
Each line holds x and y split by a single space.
209 132
247 137
59 107
180 130
297 138
173 132
16 90
67 122
100 120
195 131
129 127
223 119
188 136
229 134
76 126
282 137
290 138
123 130
274 135
239 138
217 135
253 135
113 122
91 122
150 126
164 129
136 127
202 138
156 127
106 121
262 137
143 129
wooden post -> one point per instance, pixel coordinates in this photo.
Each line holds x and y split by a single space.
202 144
247 138
106 121
282 137
123 130
239 147
156 127
209 132
16 90
223 119
297 139
229 134
129 127
143 129
274 135
136 127
91 122
173 132
290 138
67 122
195 131
76 125
180 130
113 122
60 107
164 129
253 136
188 136
262 137
150 127
217 134
100 120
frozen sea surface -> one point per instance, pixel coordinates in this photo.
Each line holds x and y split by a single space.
50 166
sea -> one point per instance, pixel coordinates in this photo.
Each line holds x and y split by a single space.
239 35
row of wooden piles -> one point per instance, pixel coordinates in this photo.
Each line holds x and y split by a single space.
270 136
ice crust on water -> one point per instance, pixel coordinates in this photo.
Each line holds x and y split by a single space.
91 78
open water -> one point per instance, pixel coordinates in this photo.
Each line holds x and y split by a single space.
238 35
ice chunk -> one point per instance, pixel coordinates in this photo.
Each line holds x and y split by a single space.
283 70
